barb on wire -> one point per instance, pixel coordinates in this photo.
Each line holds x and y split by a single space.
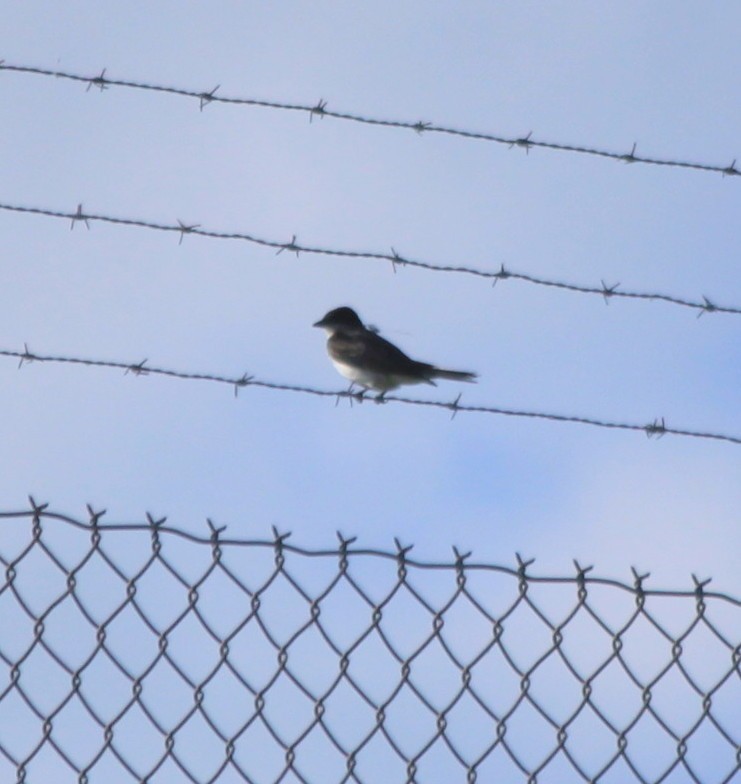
656 427
320 109
293 246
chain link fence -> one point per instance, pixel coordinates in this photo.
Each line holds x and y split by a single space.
141 653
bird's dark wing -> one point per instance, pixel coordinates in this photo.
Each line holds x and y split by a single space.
372 352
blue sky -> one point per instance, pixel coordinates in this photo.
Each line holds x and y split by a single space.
574 73
665 76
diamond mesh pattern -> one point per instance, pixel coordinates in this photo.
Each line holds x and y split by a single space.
143 653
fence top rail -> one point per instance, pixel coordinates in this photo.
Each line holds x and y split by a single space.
347 548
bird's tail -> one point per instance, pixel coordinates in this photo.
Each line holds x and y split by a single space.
454 375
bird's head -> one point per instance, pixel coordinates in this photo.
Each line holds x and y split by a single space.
340 318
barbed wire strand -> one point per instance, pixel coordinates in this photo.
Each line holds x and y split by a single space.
608 292
656 428
321 110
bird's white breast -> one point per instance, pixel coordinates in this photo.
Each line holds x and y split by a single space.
363 377
379 381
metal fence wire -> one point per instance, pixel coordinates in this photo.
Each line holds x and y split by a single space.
143 653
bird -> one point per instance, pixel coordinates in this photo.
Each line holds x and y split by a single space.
367 359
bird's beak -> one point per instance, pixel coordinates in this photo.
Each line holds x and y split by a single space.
319 323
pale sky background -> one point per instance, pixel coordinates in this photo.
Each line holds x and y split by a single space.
666 75
663 76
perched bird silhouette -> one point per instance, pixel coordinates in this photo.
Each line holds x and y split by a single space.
367 359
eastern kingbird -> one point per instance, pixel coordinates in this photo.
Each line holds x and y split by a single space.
367 359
